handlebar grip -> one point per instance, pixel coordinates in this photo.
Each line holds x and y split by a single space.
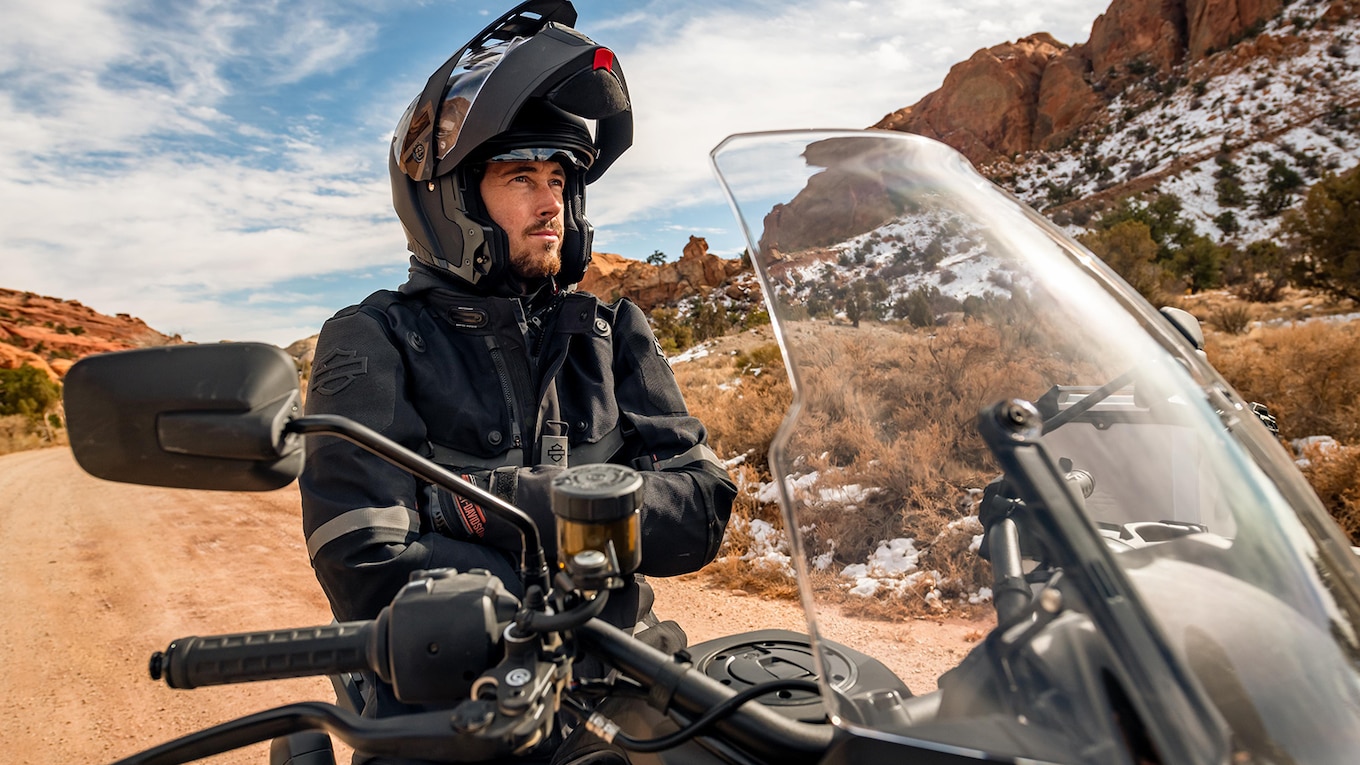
193 662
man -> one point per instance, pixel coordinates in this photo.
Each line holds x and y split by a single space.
484 360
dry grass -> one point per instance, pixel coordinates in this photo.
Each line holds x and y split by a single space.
1335 476
740 391
896 410
19 433
1308 374
885 407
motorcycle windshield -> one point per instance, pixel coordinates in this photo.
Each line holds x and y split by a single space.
908 293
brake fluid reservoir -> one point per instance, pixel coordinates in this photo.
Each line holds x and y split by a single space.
599 537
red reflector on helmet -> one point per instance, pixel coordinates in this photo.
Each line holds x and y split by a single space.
604 59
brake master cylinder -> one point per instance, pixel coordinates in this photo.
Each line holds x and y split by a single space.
599 538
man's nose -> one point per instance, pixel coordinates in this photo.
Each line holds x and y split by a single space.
549 203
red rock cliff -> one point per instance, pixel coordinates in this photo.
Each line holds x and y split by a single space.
51 334
1036 92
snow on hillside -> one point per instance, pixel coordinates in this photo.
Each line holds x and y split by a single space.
1211 138
926 250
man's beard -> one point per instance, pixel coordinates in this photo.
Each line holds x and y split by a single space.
536 259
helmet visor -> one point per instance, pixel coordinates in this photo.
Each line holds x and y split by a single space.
464 85
413 134
541 154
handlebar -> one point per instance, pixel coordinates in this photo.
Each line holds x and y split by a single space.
670 684
194 662
198 661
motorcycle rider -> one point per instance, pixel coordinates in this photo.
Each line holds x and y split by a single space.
486 360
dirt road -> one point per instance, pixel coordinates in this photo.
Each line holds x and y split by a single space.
95 576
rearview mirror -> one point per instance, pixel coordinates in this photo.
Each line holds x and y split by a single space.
187 416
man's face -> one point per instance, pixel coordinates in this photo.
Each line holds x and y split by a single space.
525 199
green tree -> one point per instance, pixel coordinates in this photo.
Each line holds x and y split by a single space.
27 391
919 311
1199 263
673 335
1162 219
1227 222
1326 230
1227 186
1128 248
707 320
656 258
1281 182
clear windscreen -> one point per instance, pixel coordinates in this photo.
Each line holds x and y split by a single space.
908 294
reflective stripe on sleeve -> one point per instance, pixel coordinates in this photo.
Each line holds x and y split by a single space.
696 453
396 518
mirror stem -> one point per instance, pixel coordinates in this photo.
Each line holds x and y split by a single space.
534 563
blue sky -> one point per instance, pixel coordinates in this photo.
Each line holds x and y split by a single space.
218 168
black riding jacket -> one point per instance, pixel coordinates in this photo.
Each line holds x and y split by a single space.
507 391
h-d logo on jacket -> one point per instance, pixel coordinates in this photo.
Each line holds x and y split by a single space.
335 372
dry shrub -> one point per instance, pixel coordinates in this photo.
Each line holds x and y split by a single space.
895 409
740 397
1308 374
1233 318
884 409
729 568
20 433
1333 473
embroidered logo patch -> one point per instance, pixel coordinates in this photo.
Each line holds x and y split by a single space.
335 372
471 514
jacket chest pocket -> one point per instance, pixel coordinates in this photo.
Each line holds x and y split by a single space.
463 396
586 392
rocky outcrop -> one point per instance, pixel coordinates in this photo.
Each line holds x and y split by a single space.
1067 100
1216 24
988 104
52 334
1151 33
696 273
1036 93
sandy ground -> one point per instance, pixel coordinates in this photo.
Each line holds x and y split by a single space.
96 576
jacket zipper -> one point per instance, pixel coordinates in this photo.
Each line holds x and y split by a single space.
507 391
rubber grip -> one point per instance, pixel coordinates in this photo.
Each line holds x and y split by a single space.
193 662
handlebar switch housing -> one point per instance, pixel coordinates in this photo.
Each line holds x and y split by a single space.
443 629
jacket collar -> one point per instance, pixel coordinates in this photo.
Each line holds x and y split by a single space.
422 278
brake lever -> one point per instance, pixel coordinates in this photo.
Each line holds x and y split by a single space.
421 735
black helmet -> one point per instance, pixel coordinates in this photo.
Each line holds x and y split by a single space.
523 88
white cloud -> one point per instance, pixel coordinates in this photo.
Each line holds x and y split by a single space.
807 65
123 182
172 160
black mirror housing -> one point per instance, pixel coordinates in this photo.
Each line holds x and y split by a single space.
187 416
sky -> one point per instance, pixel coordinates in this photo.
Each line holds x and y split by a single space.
218 167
